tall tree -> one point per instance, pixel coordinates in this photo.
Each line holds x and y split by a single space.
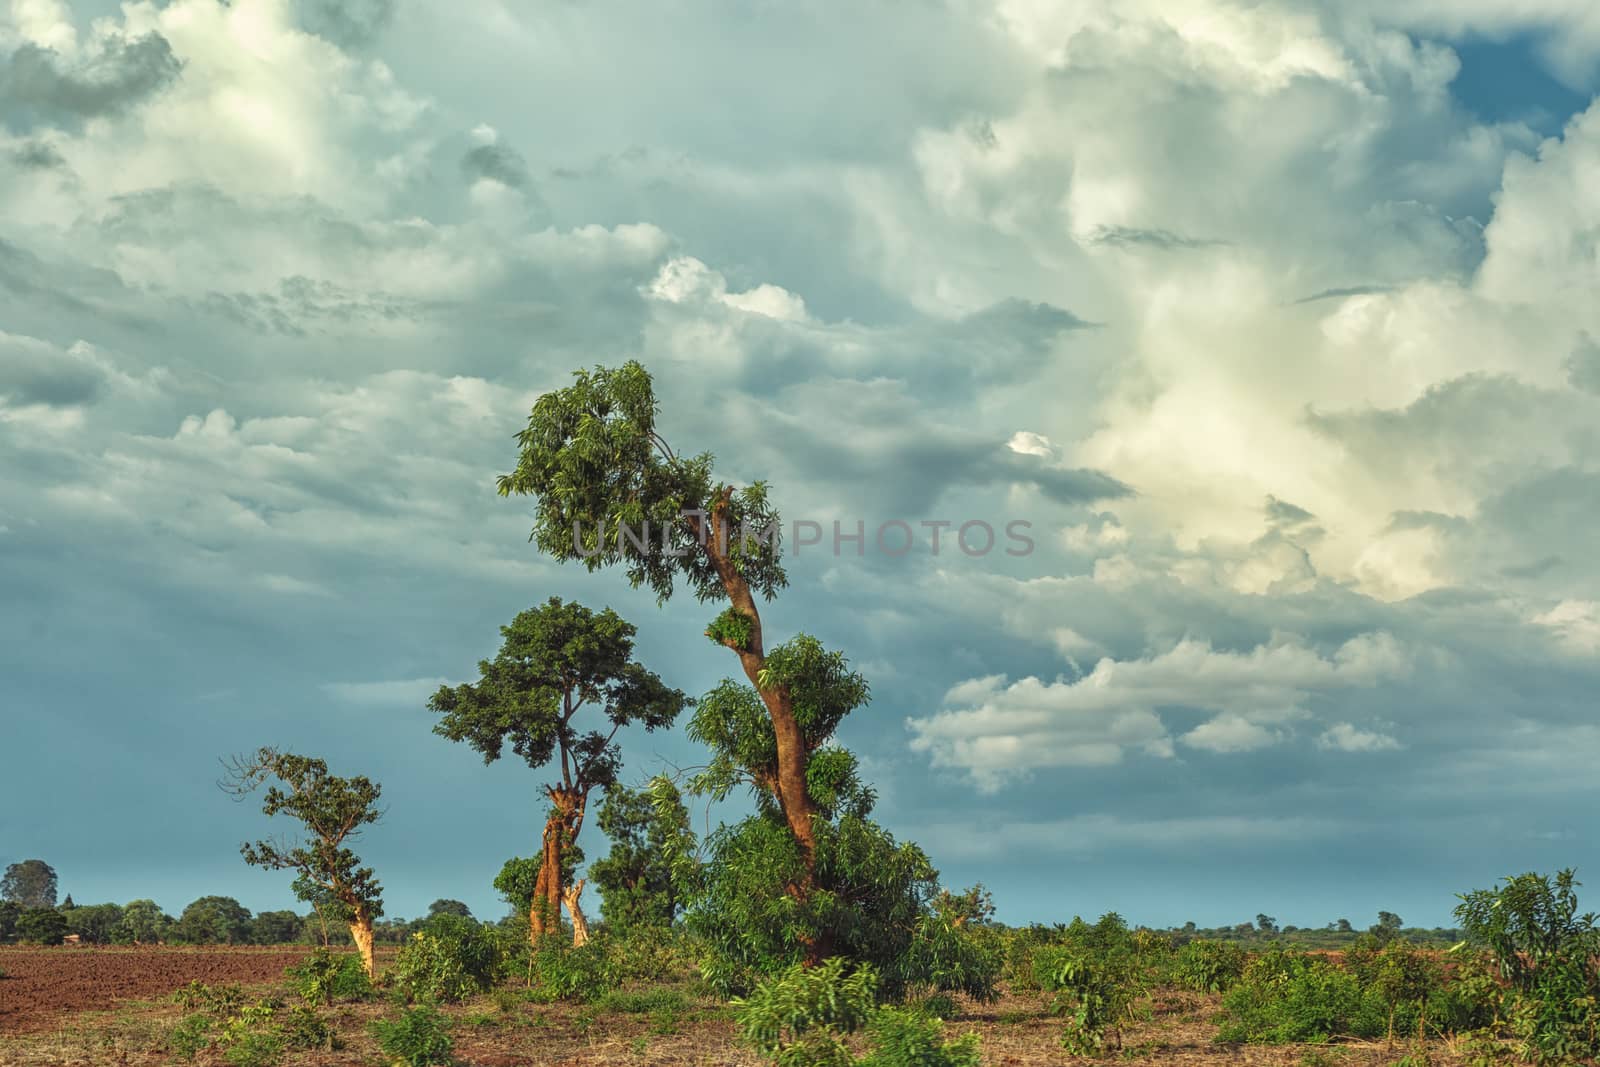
334 811
555 661
609 490
594 462
31 884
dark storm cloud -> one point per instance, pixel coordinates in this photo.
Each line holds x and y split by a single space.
1344 291
1135 237
32 372
498 163
38 87
37 155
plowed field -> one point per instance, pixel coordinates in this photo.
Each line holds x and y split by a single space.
42 984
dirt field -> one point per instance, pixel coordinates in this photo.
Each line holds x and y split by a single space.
85 1006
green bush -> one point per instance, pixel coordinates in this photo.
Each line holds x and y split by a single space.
1208 966
325 977
304 1028
1097 980
450 958
190 1037
582 973
1294 999
1547 954
800 1018
904 1038
420 1037
938 1006
251 1038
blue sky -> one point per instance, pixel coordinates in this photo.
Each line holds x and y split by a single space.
1276 321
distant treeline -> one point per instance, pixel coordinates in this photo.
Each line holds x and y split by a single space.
211 920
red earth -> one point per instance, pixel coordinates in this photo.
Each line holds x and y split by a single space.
42 984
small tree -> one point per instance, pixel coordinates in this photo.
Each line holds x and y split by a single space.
334 811
29 884
43 926
449 907
556 660
648 828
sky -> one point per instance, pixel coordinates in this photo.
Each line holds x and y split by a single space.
1275 321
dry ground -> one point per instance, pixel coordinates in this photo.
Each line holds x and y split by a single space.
70 1006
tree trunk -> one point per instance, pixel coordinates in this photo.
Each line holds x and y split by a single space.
580 925
361 934
544 912
790 786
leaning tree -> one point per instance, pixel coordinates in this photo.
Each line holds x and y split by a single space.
555 661
334 811
809 874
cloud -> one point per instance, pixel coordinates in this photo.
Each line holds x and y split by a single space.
116 73
998 732
1344 737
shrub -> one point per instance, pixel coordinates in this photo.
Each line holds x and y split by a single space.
581 973
190 1037
1546 951
250 1038
1293 998
800 1017
305 1029
903 1038
452 957
1096 988
938 1006
1209 966
420 1037
324 978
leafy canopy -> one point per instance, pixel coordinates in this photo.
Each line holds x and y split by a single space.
592 457
554 660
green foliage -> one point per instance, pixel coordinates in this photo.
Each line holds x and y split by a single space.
420 1037
644 1001
29 884
939 1006
276 927
449 959
553 659
143 922
190 1037
800 1018
592 458
1209 966
214 920
42 926
1291 997
304 1028
251 1038
733 629
95 924
1547 952
905 1038
333 811
581 973
650 836
1097 981
325 977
